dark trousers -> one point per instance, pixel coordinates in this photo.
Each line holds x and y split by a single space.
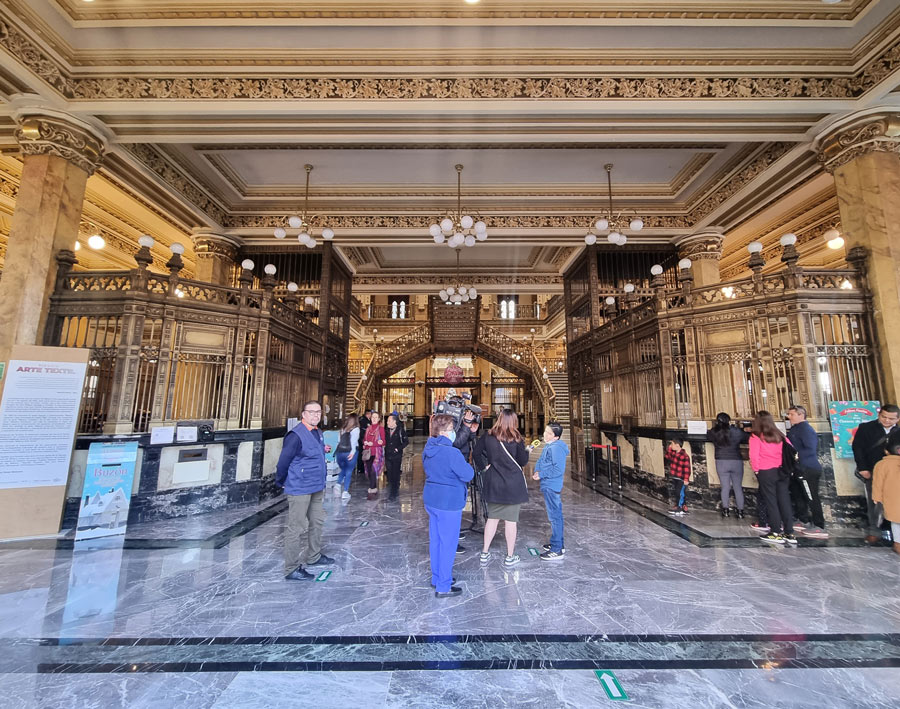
774 486
807 503
371 473
392 470
872 511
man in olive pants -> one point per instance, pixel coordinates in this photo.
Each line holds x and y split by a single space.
301 472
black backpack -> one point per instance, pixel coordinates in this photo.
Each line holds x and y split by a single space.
790 461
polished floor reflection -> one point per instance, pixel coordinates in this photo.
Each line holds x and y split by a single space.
209 622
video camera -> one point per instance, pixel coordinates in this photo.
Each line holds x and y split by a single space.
456 405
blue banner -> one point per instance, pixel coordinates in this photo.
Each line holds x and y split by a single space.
106 496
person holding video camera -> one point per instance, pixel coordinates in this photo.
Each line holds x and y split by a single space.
500 454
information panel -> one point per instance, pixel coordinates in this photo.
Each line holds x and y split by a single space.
38 417
845 418
106 497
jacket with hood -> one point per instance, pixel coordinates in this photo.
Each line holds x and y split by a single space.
446 475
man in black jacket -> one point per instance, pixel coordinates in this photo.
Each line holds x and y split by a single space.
868 449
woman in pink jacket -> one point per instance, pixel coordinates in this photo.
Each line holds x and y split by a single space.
766 443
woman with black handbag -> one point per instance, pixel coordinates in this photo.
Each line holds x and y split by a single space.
396 440
500 454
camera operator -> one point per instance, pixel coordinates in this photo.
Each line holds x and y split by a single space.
466 433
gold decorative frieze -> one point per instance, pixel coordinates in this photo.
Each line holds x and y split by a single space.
878 132
159 164
475 280
53 135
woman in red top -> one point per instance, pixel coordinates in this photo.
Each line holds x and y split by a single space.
374 444
766 455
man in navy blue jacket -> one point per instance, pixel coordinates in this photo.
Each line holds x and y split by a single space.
806 497
301 472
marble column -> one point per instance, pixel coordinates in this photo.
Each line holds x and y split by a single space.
704 249
216 255
59 153
863 154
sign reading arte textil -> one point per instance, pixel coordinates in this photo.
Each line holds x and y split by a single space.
38 416
845 419
106 496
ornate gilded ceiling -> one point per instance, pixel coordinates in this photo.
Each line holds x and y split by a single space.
709 110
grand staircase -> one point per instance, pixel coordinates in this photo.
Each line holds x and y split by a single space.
353 381
560 383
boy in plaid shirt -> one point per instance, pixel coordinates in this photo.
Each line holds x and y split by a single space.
679 464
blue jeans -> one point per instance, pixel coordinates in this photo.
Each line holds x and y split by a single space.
347 467
443 538
553 502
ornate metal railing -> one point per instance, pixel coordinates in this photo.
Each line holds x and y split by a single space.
765 342
165 348
522 354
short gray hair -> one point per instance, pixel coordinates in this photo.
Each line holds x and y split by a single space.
799 409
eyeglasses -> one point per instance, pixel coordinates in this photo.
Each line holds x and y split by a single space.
312 411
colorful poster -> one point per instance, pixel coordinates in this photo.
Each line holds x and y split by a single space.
38 417
106 497
845 419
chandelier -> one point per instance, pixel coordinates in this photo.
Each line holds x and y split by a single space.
614 224
305 221
455 292
457 228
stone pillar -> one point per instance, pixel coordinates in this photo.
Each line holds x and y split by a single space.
60 153
704 249
864 157
216 256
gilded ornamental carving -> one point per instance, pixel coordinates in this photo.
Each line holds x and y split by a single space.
878 132
53 135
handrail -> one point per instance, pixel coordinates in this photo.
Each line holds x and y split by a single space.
523 353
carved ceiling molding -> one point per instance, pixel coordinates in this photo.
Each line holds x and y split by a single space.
500 10
487 145
161 165
402 88
53 135
879 132
475 280
736 182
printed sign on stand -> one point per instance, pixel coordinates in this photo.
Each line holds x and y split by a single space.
845 418
106 496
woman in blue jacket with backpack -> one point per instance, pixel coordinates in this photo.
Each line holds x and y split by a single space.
446 475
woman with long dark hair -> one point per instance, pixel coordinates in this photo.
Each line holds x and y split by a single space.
346 455
766 458
373 453
396 440
727 440
500 454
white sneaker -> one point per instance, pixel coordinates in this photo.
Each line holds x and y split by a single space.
345 495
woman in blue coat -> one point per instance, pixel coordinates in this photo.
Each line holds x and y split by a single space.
446 476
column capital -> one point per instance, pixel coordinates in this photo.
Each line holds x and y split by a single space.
702 245
42 131
869 133
209 242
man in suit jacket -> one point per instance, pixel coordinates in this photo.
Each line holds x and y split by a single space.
868 449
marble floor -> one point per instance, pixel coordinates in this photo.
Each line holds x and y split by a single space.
677 620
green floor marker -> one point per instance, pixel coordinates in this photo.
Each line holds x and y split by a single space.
533 551
611 686
364 524
323 576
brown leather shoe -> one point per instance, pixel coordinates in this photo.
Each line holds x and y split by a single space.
897 547
872 539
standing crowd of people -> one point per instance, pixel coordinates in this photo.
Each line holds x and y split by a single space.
453 446
786 466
